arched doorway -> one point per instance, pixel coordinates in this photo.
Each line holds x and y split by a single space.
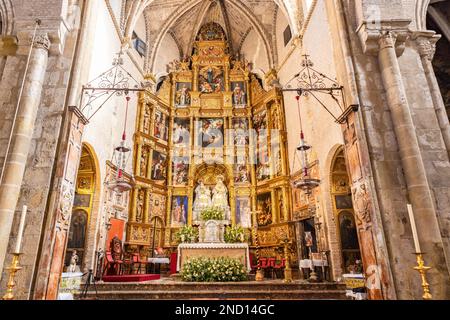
82 208
344 214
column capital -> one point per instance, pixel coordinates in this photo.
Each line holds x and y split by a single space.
426 43
41 41
383 34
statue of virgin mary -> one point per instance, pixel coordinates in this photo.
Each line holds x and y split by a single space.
220 194
203 197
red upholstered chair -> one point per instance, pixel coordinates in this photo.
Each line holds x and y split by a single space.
279 267
271 266
111 264
136 260
173 263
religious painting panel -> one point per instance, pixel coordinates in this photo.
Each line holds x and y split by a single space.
82 200
344 202
241 134
349 241
183 94
77 235
212 51
210 133
161 129
243 212
180 171
211 79
239 94
159 166
241 172
181 132
264 206
179 211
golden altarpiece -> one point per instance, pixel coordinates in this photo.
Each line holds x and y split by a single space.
209 119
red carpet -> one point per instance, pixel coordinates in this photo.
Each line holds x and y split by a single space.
132 278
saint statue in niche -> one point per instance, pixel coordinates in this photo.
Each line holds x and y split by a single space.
183 95
220 194
239 95
203 197
73 267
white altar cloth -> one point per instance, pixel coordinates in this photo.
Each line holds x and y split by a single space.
217 248
159 260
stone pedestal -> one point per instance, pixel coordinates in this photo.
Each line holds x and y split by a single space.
212 231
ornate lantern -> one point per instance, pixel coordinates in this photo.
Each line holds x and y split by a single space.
306 183
120 159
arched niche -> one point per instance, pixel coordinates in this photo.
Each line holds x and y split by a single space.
85 206
209 173
344 213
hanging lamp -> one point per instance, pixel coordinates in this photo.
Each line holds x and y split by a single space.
306 183
120 160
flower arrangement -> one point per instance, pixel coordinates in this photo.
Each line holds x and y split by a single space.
235 234
212 214
213 270
187 234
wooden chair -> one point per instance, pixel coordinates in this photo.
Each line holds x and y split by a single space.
136 260
112 264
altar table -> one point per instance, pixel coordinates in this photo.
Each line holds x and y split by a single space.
238 251
159 262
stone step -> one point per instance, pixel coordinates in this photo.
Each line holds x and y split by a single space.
194 286
219 295
272 290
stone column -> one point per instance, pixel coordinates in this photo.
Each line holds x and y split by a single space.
411 158
426 43
21 139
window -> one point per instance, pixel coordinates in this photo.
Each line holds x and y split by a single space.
139 45
287 35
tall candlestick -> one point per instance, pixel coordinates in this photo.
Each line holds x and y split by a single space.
21 228
414 228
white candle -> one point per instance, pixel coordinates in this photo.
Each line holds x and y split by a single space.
21 228
414 228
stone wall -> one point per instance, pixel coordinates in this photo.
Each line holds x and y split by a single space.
40 161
